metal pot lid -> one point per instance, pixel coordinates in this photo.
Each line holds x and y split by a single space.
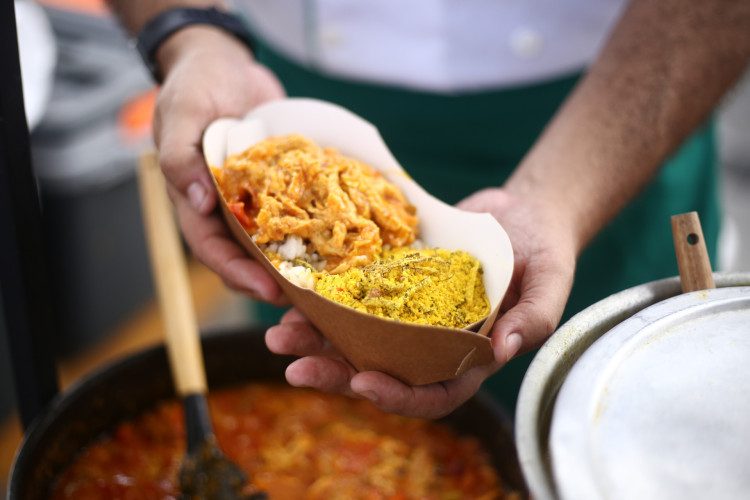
659 406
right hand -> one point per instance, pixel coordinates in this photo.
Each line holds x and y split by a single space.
544 249
208 75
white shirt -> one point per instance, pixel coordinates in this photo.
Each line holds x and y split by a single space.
436 45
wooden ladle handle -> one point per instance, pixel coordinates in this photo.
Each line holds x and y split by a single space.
171 279
692 256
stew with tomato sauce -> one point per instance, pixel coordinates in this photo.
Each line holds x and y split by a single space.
293 444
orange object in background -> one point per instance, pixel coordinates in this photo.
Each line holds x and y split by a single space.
91 7
136 115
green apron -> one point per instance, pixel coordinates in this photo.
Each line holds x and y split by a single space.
454 145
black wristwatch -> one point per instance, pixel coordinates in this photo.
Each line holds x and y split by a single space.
166 23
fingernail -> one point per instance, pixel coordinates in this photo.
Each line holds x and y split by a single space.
196 194
370 395
289 374
512 345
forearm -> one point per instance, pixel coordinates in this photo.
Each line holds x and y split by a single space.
135 14
663 70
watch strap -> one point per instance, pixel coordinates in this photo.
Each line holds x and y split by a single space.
158 29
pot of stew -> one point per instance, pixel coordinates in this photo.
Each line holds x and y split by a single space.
118 433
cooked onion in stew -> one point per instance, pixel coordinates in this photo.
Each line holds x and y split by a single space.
294 444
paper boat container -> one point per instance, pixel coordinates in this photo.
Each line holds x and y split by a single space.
415 354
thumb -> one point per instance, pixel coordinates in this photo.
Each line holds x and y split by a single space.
530 322
178 136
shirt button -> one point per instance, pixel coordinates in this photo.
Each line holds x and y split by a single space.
330 36
526 43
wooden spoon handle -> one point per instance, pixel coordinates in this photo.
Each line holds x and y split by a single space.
692 255
171 280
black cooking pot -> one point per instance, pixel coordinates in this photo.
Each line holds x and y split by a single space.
128 387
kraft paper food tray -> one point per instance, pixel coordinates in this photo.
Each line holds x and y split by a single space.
415 354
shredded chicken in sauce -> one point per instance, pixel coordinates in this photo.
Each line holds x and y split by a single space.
344 210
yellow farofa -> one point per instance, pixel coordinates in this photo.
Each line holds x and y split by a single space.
431 286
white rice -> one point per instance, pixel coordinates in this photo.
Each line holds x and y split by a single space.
299 275
293 248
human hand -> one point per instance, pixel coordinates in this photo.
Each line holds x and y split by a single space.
544 250
209 74
544 255
322 367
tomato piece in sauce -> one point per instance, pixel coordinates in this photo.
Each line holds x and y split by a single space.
295 444
238 210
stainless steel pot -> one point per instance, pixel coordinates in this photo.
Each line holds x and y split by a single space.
557 356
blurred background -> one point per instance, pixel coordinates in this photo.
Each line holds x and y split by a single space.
89 105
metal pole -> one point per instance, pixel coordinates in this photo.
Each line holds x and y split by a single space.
23 277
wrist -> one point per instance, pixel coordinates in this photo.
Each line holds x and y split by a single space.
168 25
193 39
564 201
